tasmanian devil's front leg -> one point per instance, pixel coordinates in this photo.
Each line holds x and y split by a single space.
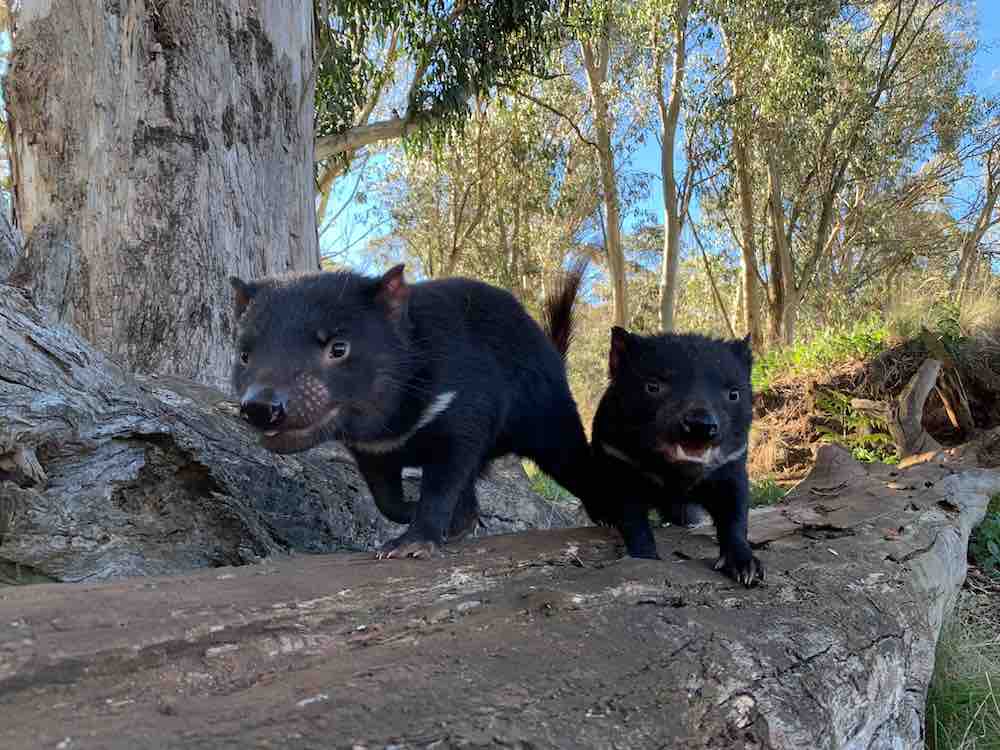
440 489
727 501
384 477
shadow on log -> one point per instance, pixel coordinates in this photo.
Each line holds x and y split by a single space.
540 639
105 475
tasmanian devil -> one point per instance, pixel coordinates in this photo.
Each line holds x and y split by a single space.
444 375
670 433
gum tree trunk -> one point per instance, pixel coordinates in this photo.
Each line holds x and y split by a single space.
159 147
596 59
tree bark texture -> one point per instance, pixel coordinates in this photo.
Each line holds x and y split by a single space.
748 252
159 147
669 118
596 58
536 640
104 474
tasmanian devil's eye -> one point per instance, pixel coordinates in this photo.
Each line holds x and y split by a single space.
244 356
652 387
339 349
734 394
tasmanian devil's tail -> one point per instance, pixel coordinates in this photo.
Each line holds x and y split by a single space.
557 315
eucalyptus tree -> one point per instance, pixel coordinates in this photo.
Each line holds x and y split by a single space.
505 201
830 109
389 69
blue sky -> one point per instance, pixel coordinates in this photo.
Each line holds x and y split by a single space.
985 79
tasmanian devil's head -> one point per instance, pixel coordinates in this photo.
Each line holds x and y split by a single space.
320 356
687 398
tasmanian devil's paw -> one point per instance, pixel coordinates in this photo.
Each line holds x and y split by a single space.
741 566
411 543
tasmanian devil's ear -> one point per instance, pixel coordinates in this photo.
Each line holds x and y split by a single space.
743 350
618 351
393 291
243 294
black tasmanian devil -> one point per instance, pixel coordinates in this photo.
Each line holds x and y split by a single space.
444 375
671 433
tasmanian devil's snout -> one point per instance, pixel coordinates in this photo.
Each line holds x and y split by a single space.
264 407
699 425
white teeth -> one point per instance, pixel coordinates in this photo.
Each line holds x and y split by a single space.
702 457
271 433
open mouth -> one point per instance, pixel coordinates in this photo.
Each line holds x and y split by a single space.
297 439
689 453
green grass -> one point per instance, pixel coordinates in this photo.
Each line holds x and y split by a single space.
963 702
862 341
985 543
546 486
766 492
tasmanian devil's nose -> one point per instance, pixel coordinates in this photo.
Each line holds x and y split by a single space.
700 424
263 408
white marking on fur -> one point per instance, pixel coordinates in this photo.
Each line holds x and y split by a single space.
434 409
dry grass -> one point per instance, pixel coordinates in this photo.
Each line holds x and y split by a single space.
963 703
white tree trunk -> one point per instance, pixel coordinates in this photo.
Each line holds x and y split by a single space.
595 61
159 147
669 119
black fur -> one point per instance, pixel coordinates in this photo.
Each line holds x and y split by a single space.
672 398
343 356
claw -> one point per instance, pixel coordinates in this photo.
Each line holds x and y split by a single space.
397 549
748 573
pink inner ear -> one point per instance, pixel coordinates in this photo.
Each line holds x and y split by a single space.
394 286
393 290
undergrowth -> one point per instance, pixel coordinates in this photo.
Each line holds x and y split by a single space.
766 491
963 701
862 341
864 436
985 543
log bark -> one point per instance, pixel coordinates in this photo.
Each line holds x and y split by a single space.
103 474
11 246
120 114
542 639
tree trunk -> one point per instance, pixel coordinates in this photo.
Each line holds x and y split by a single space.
669 118
748 269
161 146
784 294
748 266
970 245
596 64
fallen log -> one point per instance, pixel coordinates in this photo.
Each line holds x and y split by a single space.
540 640
104 475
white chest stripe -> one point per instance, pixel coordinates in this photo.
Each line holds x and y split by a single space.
435 408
